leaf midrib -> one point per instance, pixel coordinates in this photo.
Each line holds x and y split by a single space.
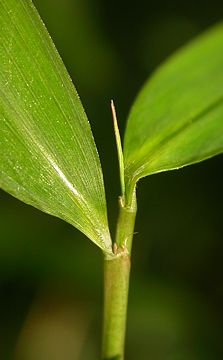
143 162
79 203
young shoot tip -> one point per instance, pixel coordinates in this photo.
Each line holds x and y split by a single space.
119 147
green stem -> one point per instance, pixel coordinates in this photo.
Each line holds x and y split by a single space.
116 285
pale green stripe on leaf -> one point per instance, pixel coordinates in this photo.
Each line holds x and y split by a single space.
47 152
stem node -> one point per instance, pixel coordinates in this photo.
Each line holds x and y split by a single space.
116 284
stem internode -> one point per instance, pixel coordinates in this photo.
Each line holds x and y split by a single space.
116 284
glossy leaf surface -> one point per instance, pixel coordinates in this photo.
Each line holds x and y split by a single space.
177 119
47 153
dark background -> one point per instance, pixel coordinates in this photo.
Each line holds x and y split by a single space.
51 275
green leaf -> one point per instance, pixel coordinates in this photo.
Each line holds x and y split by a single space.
177 119
47 152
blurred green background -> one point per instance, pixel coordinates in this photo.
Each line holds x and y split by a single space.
51 275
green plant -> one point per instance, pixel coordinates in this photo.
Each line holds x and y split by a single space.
49 158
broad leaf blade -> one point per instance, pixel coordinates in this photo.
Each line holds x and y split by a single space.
48 155
177 119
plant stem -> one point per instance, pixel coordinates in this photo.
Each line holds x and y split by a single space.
116 285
